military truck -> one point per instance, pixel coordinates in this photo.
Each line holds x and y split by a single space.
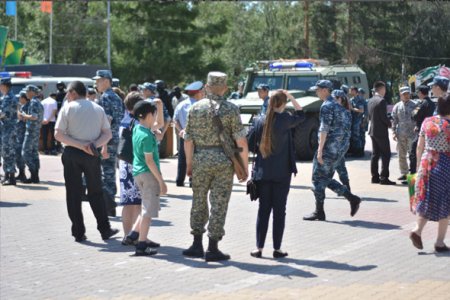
297 76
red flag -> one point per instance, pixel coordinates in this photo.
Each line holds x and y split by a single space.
46 6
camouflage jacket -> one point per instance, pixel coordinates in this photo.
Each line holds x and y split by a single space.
336 121
113 106
36 109
200 128
8 106
402 122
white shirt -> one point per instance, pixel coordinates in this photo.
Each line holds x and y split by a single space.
50 105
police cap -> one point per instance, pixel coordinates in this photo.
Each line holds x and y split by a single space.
193 87
440 81
5 80
102 74
323 84
344 88
148 86
361 90
32 88
404 90
338 93
263 86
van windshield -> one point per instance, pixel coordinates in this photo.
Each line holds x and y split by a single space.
274 82
301 82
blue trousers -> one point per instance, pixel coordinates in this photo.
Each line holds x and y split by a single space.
323 177
273 197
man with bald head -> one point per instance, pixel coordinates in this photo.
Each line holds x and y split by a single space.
210 168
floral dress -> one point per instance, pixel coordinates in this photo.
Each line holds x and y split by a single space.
432 188
129 193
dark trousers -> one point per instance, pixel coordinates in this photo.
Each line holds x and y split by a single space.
181 172
380 148
273 197
76 163
46 129
413 156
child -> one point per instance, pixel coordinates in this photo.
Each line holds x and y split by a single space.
146 173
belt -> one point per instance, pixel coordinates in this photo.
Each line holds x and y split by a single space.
209 148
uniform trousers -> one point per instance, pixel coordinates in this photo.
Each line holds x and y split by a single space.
322 177
272 197
20 136
76 163
7 149
109 176
30 147
380 148
212 173
181 171
404 144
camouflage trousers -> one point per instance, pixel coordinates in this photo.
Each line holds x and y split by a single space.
357 139
8 150
30 149
212 172
109 172
341 169
322 177
20 136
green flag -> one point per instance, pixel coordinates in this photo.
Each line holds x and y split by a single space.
13 52
3 37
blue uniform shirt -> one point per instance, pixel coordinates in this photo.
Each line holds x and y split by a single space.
113 107
359 103
165 111
182 111
265 105
8 106
335 120
36 109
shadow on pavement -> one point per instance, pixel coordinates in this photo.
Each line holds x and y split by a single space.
437 254
32 187
174 255
328 264
111 245
13 204
370 199
367 224
53 183
300 187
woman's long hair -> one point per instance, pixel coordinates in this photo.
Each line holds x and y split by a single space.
276 100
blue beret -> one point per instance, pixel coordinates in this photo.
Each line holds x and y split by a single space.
5 80
32 88
195 86
102 74
263 86
322 84
148 86
338 93
440 81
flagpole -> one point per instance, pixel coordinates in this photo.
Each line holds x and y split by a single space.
51 37
15 25
108 34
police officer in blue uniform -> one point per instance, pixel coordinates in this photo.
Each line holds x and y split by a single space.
365 121
113 107
263 94
356 139
30 147
24 103
334 138
8 116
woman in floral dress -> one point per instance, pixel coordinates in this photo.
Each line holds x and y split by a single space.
432 199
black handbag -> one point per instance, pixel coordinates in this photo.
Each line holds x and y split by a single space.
125 148
252 188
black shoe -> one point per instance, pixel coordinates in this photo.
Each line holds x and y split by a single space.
128 241
441 249
386 181
320 216
180 183
401 178
80 239
111 232
256 253
375 180
152 244
145 252
354 203
21 176
33 179
9 179
279 254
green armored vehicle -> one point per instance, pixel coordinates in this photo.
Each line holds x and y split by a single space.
297 76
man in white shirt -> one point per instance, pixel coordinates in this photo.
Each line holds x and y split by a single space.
48 123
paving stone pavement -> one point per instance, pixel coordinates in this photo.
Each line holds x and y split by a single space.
368 256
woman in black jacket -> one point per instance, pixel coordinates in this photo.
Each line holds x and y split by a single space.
271 137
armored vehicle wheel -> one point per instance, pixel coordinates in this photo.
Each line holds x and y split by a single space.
305 138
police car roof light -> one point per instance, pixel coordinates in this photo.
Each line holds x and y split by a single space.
22 74
291 64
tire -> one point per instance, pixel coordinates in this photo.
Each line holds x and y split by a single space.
305 138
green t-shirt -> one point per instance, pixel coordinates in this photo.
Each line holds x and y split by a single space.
144 141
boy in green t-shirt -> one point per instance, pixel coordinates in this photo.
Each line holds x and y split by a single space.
146 173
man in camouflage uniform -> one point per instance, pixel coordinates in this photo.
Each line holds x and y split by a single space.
334 138
33 118
20 134
210 168
113 106
356 140
8 116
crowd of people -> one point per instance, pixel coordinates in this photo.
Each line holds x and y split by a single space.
90 124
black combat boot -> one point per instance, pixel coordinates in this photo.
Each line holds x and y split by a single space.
34 177
354 202
213 253
196 250
318 214
9 179
21 175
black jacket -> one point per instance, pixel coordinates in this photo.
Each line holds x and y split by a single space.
425 110
281 163
379 121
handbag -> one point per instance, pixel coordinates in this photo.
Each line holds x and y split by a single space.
252 187
125 148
